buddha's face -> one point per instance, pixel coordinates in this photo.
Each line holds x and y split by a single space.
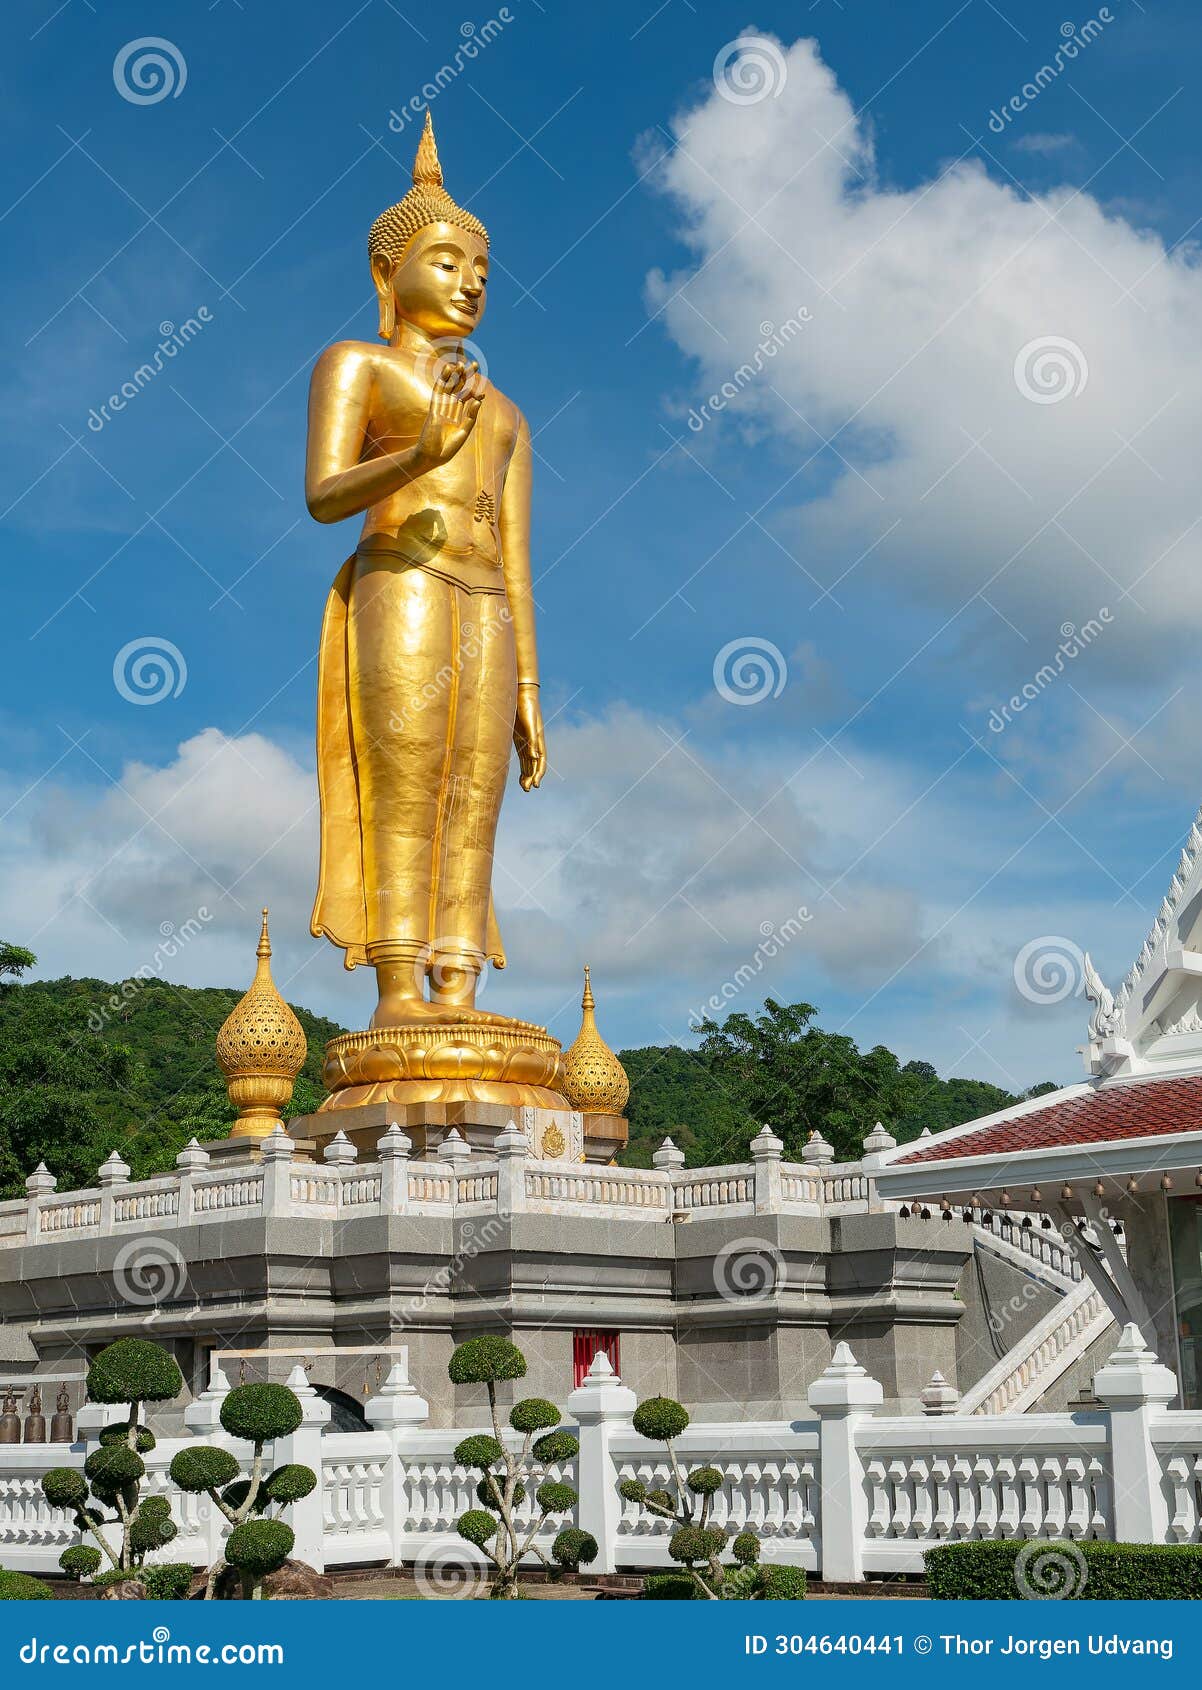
438 284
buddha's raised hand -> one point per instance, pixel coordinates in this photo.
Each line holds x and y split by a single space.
455 401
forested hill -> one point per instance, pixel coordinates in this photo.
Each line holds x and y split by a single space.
87 1067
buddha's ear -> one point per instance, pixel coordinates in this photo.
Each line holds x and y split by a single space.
381 275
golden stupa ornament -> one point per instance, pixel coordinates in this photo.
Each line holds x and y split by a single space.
261 1049
593 1080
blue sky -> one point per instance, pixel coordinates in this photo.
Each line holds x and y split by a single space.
888 510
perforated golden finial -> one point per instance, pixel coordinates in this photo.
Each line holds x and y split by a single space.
261 1049
593 1080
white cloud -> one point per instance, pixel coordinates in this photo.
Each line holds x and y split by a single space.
922 301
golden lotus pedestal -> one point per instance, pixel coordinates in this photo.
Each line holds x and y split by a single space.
471 1076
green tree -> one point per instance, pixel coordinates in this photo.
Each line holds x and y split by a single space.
15 960
260 1541
508 1475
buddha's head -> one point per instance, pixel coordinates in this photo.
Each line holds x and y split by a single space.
429 257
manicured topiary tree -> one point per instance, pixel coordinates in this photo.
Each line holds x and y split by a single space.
260 1541
695 1544
23 1587
509 1475
135 1372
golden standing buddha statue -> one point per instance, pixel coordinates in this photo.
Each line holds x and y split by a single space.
428 670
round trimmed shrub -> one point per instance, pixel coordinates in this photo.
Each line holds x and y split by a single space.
740 1584
159 1505
134 1370
144 1439
201 1467
64 1487
574 1548
151 1531
689 1544
258 1547
705 1480
746 1549
479 1451
555 1498
556 1446
633 1490
477 1527
289 1483
114 1575
661 1498
112 1467
533 1414
485 1360
782 1584
23 1587
80 1561
659 1418
484 1492
169 1582
259 1413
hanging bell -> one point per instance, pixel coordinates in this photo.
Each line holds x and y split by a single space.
10 1420
35 1420
62 1427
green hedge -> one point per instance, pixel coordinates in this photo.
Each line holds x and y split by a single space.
1051 1568
23 1587
753 1584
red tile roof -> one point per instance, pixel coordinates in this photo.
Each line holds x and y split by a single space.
1140 1110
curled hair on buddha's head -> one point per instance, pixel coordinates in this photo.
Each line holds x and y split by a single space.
427 202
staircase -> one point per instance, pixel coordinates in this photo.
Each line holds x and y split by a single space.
1044 1354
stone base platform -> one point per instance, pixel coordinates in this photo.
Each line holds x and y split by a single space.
553 1134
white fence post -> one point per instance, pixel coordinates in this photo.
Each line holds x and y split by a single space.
38 1186
766 1152
1136 1388
511 1150
203 1416
114 1173
393 1153
276 1161
396 1409
598 1407
843 1397
306 1517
